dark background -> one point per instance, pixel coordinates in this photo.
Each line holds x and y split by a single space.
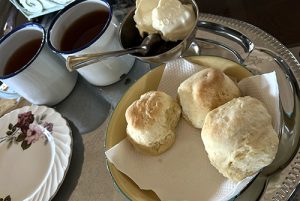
280 18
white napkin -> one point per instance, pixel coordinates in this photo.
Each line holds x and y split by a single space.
184 172
261 87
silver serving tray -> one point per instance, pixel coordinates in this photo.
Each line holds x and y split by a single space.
259 52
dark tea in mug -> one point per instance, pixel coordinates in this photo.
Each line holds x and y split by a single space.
29 67
86 27
22 56
84 30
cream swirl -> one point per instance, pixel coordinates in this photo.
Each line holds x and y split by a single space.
170 18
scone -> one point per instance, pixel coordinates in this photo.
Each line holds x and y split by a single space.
203 92
151 122
239 138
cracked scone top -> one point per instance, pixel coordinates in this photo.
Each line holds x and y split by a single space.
203 92
151 122
239 138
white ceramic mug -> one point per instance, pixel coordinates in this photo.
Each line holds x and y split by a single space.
43 80
102 73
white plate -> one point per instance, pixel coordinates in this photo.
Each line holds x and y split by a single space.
30 15
63 141
57 162
27 151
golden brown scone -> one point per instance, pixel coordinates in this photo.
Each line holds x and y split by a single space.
151 122
203 92
239 138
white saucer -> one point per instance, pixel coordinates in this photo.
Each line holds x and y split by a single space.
49 163
27 152
62 137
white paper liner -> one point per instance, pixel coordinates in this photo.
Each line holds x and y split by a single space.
184 172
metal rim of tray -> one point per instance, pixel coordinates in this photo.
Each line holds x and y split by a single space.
251 38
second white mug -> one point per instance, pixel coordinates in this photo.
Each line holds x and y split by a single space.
88 26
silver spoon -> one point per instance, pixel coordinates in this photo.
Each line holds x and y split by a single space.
79 61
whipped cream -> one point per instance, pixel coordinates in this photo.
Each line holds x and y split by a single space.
170 18
143 15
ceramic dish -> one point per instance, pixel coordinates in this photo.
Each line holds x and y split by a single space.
259 53
117 126
27 152
45 170
62 138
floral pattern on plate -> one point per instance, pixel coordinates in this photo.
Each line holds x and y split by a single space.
62 138
24 170
27 130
